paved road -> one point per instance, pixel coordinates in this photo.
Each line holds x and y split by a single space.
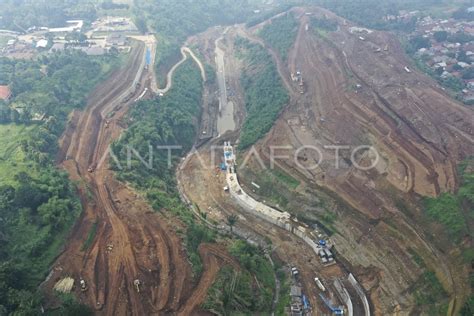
169 77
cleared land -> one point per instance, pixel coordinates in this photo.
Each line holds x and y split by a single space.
358 92
119 239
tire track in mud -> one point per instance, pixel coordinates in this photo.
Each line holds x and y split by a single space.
131 243
412 146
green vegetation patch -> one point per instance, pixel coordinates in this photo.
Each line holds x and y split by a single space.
90 237
173 21
431 295
284 299
280 34
285 178
323 24
246 291
12 157
455 211
38 204
37 215
372 13
4 40
265 95
168 120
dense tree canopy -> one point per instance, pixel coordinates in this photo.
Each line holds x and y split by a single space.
280 34
265 95
38 209
19 15
33 215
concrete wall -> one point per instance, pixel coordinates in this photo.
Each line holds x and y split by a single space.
361 293
345 296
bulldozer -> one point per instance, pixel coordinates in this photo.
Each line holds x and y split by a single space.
92 168
83 284
137 284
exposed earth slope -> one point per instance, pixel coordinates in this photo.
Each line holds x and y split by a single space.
131 259
360 89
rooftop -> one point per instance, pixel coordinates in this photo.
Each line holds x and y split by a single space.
5 92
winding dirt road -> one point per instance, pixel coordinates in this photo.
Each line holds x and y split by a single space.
135 263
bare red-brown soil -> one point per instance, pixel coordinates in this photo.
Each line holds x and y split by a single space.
131 241
357 92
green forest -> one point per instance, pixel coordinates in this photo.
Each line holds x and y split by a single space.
19 15
38 204
174 20
45 91
280 34
456 211
265 95
371 13
238 292
168 120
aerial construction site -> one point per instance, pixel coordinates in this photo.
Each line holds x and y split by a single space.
342 233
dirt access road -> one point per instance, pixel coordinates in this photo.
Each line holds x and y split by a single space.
357 92
350 99
202 184
135 263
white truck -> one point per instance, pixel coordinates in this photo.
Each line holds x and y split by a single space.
319 284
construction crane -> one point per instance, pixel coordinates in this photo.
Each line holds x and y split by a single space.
334 310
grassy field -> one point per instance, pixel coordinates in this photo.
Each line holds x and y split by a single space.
11 156
4 39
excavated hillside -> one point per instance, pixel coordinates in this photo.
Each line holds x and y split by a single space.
358 88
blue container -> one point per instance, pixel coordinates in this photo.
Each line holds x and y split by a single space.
305 302
148 57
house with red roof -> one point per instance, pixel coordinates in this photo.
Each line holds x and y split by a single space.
5 93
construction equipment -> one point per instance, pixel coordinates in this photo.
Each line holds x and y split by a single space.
137 284
336 310
295 272
92 168
83 285
319 284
